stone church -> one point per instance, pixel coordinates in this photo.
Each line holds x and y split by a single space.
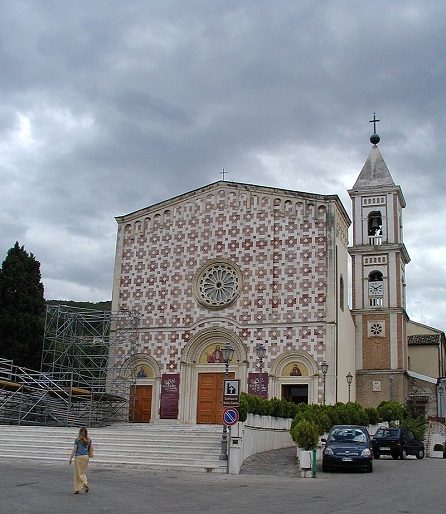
265 268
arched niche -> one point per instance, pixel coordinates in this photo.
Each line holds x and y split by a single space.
143 365
286 360
205 342
295 370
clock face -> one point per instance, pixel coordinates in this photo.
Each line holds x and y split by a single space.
376 289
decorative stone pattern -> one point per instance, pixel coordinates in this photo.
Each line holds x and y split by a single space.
277 239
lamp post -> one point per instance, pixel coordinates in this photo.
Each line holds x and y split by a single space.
227 352
261 352
349 378
324 369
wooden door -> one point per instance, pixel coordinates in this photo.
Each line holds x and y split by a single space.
141 404
210 398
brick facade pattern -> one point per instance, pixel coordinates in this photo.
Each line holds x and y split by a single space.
278 242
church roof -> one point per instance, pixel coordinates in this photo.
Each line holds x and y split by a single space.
424 339
374 173
247 188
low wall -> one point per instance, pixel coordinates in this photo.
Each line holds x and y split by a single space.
261 434
257 434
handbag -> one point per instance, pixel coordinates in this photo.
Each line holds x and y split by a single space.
90 450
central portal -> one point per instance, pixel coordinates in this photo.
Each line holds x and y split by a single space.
210 398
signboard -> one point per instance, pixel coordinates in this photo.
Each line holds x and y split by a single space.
231 393
230 416
170 393
258 384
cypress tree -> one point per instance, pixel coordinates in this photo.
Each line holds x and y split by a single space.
22 308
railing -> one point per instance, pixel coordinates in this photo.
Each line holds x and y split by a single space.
376 240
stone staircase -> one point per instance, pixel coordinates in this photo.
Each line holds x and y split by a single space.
151 446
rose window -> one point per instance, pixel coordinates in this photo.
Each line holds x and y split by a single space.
218 285
376 329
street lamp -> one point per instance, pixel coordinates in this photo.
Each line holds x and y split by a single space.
261 352
228 353
349 378
324 369
391 377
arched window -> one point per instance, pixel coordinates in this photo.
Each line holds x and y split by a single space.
374 226
341 292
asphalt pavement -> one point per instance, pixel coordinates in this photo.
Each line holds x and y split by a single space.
269 483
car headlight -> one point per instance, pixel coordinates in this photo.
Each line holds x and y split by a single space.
328 451
366 452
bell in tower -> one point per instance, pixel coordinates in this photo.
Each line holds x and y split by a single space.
375 223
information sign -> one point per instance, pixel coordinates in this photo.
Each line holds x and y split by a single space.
231 393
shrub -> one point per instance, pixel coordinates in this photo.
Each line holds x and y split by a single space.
373 415
390 411
305 434
274 407
418 425
243 408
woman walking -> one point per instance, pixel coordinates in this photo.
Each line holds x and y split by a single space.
81 452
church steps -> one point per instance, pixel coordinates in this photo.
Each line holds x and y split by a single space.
156 447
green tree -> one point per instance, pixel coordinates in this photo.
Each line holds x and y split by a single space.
390 411
22 308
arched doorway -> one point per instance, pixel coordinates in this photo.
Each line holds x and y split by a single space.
203 375
144 374
295 377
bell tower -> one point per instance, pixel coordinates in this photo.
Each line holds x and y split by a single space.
379 258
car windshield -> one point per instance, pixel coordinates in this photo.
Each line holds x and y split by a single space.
347 435
386 432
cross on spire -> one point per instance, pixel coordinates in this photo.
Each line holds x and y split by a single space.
374 121
223 173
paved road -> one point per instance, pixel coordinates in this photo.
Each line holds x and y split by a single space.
268 485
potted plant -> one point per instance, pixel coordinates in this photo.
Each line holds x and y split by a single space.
306 435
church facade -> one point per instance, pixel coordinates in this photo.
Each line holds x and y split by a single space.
257 266
243 264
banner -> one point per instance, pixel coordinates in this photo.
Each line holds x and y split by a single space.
170 395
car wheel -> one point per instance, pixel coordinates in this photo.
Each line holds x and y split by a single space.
395 456
369 468
420 454
403 454
376 455
324 467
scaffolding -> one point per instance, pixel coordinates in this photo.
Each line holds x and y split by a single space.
86 376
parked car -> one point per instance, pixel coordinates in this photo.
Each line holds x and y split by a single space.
397 442
347 446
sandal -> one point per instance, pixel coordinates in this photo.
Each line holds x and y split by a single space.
87 489
76 492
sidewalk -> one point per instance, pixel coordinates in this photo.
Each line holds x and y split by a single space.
281 462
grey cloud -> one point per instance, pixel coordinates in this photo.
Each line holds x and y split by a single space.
131 103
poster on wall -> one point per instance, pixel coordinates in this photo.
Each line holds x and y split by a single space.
170 395
258 384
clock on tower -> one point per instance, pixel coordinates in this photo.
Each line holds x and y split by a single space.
376 288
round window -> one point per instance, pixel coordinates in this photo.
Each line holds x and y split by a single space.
218 284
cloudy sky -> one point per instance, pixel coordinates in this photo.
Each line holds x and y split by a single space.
107 107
